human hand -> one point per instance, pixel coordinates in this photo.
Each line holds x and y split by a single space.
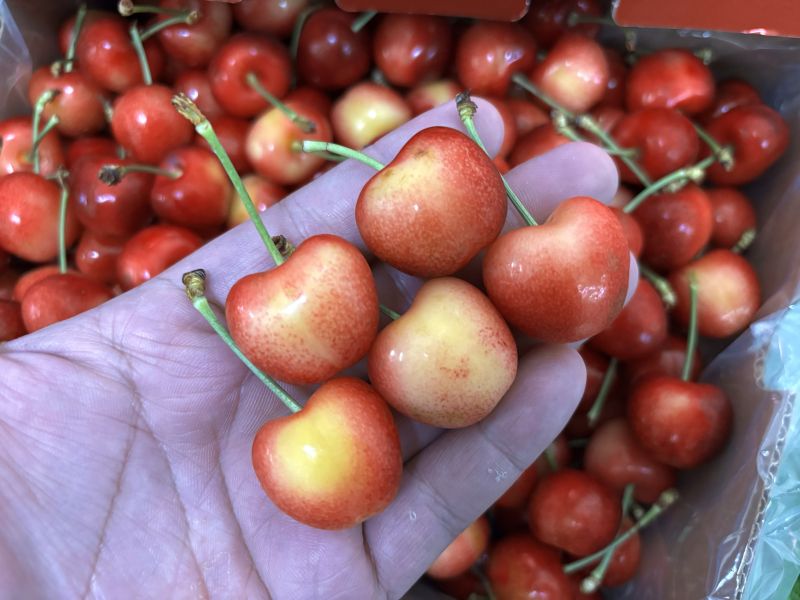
125 432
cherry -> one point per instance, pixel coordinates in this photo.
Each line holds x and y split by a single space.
312 97
197 195
29 209
78 105
153 250
59 297
667 360
614 457
11 325
96 256
527 115
516 497
242 55
461 587
113 210
270 143
548 19
262 192
309 318
509 126
29 278
519 568
663 138
564 280
330 55
489 53
16 145
731 94
335 463
728 293
539 141
679 423
146 124
670 78
5 259
194 45
411 49
426 96
676 226
433 226
633 231
639 329
197 86
758 135
617 76
574 73
86 147
573 511
274 18
463 552
107 56
8 279
455 376
367 111
734 217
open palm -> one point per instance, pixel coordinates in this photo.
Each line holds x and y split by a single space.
125 433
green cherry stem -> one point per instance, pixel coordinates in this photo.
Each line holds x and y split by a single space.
585 122
389 312
361 20
527 85
63 201
69 57
113 174
691 340
195 285
304 124
127 8
605 388
667 499
578 443
562 126
466 111
51 124
747 239
590 584
550 457
36 136
187 17
661 285
337 150
675 180
590 124
723 153
136 39
188 110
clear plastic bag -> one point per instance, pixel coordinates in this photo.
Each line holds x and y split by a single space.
736 531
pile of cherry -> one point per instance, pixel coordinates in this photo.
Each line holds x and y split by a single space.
132 157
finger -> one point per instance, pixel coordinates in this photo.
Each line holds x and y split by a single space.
575 169
325 205
457 478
